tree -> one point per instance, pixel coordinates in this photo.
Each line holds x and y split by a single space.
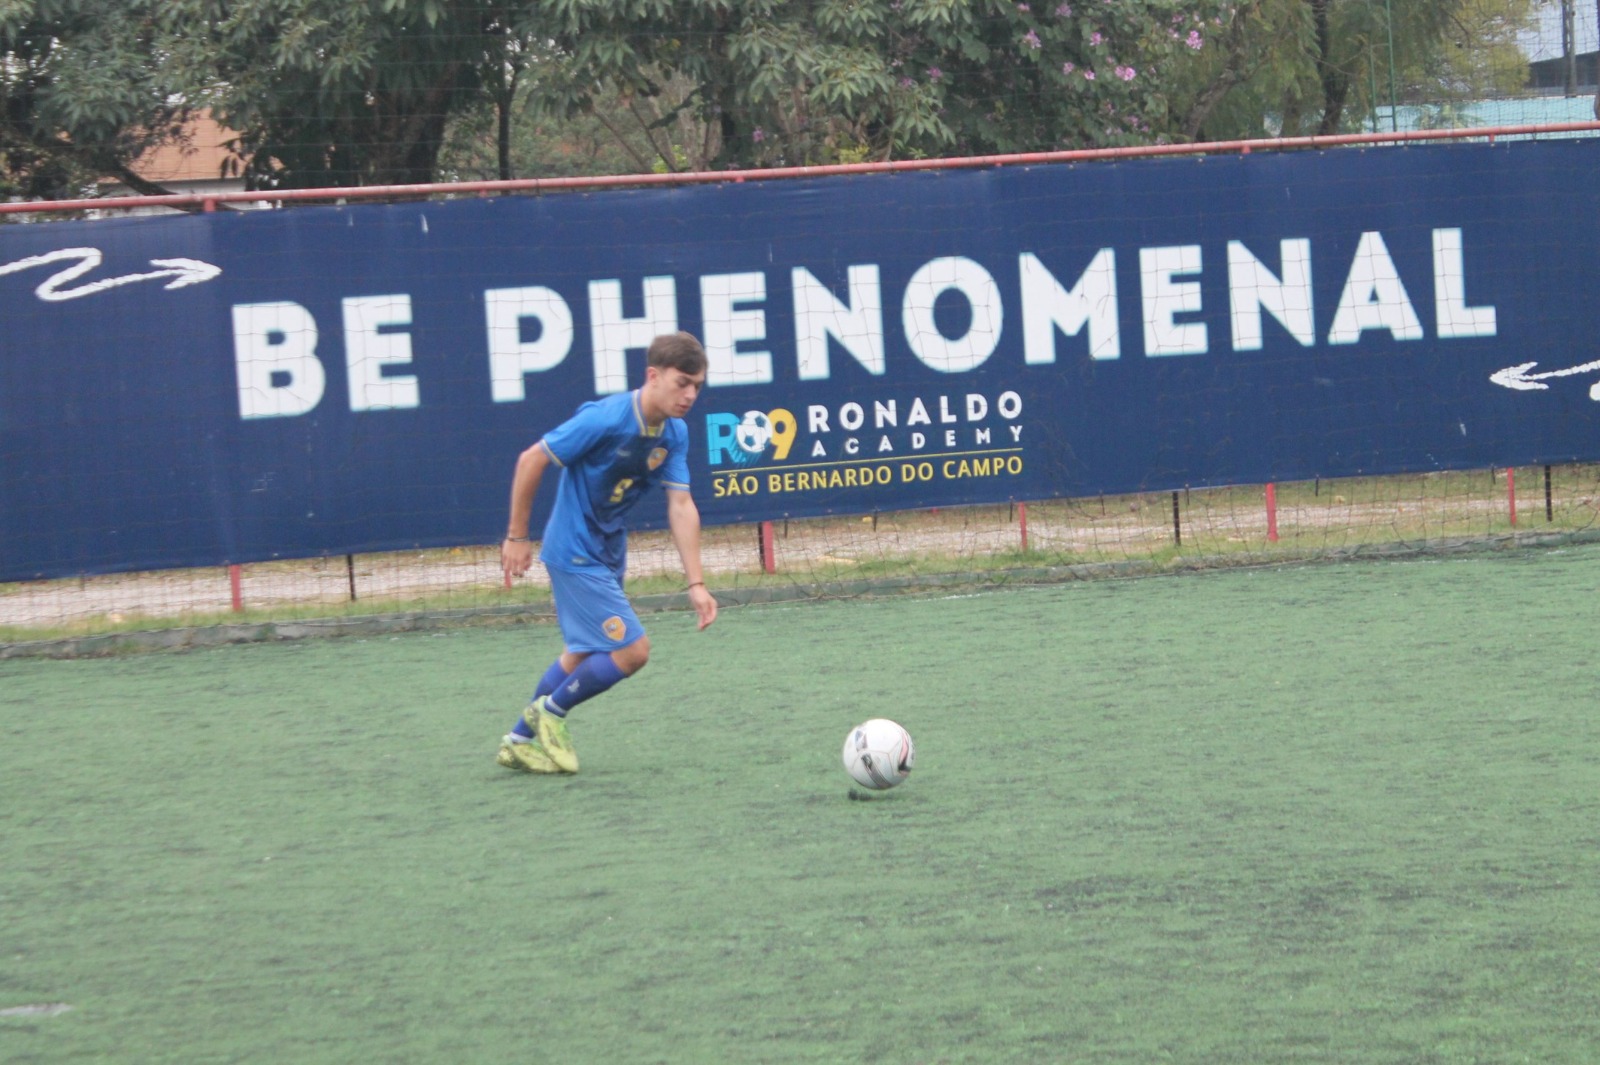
329 93
518 139
82 94
336 93
770 83
1475 55
323 92
714 84
1299 67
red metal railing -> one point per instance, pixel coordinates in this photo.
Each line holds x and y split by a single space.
208 200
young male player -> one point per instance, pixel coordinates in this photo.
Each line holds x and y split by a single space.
609 453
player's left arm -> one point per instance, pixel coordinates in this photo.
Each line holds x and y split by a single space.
683 518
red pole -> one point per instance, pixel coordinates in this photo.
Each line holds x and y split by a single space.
1022 520
233 585
1272 512
769 561
1511 492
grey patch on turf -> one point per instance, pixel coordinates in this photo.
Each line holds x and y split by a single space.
46 1009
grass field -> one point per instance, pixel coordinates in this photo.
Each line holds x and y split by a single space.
1334 813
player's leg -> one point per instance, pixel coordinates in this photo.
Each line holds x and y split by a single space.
520 748
553 678
605 644
598 673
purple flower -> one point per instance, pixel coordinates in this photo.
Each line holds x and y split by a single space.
1064 11
934 73
1022 7
1126 73
1031 39
906 83
1194 40
1088 75
758 135
1068 68
1096 38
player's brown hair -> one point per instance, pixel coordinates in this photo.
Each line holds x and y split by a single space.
677 351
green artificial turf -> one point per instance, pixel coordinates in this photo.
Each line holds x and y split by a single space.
1335 813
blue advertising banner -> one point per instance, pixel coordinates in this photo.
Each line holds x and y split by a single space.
242 386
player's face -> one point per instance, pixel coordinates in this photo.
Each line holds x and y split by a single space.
674 391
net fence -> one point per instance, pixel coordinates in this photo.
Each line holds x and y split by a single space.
974 546
528 113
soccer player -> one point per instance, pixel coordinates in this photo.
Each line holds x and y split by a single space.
609 453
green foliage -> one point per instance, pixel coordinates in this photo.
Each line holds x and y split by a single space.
1472 54
1296 67
797 83
607 139
361 92
79 96
329 94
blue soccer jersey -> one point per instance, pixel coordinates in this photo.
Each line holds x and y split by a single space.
608 458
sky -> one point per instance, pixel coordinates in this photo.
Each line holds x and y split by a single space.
1544 40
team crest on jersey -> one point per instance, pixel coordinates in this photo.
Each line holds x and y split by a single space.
658 455
614 628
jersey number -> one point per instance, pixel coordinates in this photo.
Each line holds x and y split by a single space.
621 489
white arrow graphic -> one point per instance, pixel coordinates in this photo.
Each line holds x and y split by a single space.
181 272
1519 378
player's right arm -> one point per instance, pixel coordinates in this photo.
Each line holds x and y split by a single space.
516 550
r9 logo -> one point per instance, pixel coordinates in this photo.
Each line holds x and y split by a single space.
743 439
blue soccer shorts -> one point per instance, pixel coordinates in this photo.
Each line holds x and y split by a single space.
592 610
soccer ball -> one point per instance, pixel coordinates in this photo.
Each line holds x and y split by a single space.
879 754
754 432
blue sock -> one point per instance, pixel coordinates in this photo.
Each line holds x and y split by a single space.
553 678
594 675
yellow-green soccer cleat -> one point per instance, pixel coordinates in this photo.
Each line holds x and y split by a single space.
552 733
527 757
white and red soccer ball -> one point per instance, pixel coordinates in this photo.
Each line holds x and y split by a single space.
879 754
